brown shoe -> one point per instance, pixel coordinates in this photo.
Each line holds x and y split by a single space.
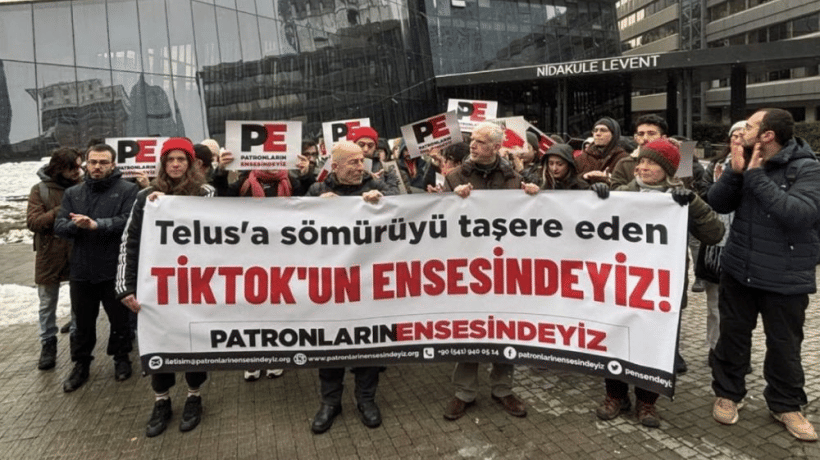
725 411
456 408
611 407
647 414
512 405
797 425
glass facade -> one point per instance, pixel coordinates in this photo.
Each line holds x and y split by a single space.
71 71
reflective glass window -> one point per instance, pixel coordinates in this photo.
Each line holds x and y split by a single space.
269 30
265 8
101 110
16 34
228 33
154 33
183 56
57 102
249 31
188 109
247 6
207 45
19 110
125 38
53 38
90 35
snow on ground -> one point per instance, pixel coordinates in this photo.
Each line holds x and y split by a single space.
20 304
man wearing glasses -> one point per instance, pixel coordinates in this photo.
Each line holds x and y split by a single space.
93 215
767 266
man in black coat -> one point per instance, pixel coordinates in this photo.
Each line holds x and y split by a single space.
768 266
93 215
349 178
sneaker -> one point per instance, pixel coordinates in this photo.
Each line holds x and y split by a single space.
122 370
274 373
66 329
611 407
699 285
725 411
159 418
48 355
78 376
456 408
252 376
191 414
797 425
647 414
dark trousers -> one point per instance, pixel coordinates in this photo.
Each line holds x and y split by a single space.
620 390
332 381
783 317
163 382
85 305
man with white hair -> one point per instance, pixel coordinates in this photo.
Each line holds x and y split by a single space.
484 170
348 178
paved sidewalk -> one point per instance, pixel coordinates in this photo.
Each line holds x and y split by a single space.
270 418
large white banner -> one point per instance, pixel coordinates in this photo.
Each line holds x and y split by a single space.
562 279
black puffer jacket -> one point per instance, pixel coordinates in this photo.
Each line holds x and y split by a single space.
369 183
773 244
108 201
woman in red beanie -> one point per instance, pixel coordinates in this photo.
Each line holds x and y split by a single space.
177 176
657 164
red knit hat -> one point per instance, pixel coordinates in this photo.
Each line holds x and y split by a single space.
178 143
664 153
359 132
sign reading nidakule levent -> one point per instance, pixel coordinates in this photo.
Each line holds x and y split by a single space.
616 64
238 283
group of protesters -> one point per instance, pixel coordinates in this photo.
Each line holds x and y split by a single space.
87 230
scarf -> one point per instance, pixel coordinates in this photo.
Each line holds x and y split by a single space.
660 188
256 178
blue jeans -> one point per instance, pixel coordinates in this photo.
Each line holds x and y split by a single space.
48 294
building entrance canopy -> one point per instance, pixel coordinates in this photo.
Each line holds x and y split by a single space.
658 70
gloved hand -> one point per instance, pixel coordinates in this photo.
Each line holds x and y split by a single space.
601 189
683 196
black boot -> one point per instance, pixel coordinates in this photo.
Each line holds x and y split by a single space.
48 355
78 376
680 364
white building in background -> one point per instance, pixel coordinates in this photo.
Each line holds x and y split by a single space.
659 26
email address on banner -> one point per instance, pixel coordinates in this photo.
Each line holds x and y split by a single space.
227 360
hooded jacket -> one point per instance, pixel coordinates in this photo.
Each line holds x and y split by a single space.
572 181
773 243
601 158
108 201
51 260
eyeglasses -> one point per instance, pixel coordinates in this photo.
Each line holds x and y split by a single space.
98 162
